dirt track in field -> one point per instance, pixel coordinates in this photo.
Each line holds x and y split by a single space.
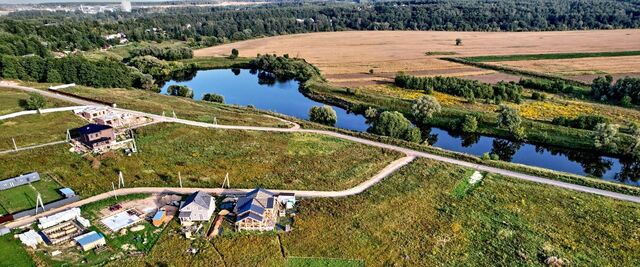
342 54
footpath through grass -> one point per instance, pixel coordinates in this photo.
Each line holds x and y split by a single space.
414 218
203 157
550 56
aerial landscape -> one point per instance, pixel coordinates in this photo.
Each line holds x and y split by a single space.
320 133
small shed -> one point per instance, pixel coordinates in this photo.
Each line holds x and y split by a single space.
159 218
90 240
67 192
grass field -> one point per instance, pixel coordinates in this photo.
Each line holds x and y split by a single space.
551 56
24 197
13 253
581 69
204 156
413 218
184 108
11 101
37 129
322 262
346 57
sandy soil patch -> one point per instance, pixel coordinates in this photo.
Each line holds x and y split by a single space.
392 51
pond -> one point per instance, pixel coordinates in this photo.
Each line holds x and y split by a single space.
244 87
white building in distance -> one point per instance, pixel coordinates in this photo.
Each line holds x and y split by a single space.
126 5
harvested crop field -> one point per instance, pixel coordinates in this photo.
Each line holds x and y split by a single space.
582 69
341 55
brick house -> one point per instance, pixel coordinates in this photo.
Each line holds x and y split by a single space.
96 137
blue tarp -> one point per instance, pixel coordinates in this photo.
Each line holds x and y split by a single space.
158 216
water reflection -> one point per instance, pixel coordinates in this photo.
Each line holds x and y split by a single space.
265 91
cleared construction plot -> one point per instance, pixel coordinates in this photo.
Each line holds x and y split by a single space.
37 129
346 57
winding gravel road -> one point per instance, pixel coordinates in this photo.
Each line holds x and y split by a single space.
410 156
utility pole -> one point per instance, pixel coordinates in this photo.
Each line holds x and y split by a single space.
114 190
39 202
120 180
163 113
15 147
226 181
68 135
174 114
180 178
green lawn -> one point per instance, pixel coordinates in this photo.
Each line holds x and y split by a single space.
37 129
322 262
11 101
13 253
204 156
24 197
550 56
413 218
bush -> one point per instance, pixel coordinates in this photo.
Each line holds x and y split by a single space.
538 96
35 101
211 97
425 107
180 90
394 124
234 53
469 124
324 115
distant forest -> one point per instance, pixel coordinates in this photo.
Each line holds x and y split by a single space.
25 33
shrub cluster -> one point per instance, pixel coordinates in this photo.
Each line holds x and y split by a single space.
211 97
170 53
556 86
469 89
626 90
587 122
285 68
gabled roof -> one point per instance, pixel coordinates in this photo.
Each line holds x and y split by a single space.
92 128
198 198
258 193
251 215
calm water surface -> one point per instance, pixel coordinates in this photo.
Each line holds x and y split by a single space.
244 87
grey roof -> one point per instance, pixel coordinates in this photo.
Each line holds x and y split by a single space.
251 215
199 198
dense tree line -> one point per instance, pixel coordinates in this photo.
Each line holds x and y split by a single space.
169 53
625 91
470 89
208 26
71 69
557 86
587 122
